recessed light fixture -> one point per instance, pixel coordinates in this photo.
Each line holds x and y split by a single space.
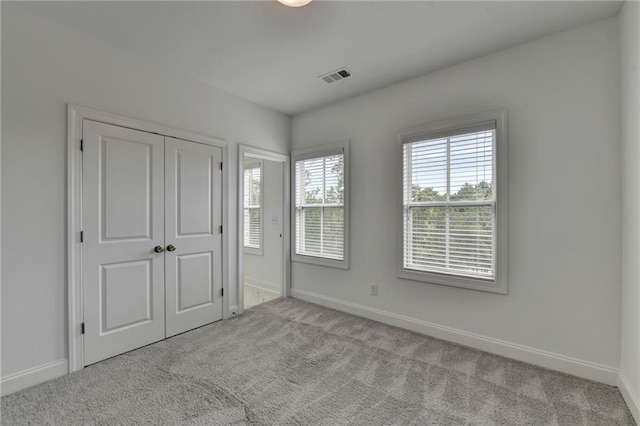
295 3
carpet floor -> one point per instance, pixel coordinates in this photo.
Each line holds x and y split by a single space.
288 362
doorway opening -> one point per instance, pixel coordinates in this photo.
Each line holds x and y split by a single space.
263 200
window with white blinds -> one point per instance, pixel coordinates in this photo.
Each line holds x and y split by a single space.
320 208
253 207
450 205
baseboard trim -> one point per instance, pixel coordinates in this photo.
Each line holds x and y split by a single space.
263 285
33 376
553 361
632 400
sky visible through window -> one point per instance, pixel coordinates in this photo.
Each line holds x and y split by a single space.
323 180
471 162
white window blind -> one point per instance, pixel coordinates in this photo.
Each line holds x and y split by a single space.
252 207
449 203
319 207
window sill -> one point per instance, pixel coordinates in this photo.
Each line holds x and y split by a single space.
320 261
491 286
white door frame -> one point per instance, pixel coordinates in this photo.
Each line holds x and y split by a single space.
286 258
75 115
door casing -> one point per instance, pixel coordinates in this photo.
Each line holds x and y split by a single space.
286 222
75 116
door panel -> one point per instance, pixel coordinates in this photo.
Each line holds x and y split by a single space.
193 192
123 220
125 214
126 296
195 280
193 196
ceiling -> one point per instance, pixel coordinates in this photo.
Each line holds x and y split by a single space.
272 54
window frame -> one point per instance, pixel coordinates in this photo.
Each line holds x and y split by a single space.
325 150
452 127
256 251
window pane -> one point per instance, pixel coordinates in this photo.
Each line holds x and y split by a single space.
333 227
247 228
252 203
471 240
311 180
247 187
334 184
312 231
254 227
320 207
252 186
425 245
428 170
464 247
471 163
255 187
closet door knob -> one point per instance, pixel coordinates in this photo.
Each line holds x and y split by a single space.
158 249
171 247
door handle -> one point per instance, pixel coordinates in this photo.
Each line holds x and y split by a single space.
171 247
158 249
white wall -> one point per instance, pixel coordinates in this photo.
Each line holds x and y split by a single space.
46 65
563 100
266 270
630 62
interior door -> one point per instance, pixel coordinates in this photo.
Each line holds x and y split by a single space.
123 221
193 197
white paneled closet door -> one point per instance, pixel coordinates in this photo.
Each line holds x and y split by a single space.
152 242
193 198
123 231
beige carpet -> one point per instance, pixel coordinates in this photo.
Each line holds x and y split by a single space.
288 362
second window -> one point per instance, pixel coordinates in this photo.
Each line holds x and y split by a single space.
320 207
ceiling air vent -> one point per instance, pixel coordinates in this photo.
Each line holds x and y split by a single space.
339 74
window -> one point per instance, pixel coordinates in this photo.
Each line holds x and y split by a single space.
454 203
320 178
253 208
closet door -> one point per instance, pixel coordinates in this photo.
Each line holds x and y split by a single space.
193 197
123 230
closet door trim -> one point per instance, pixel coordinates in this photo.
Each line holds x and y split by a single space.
75 116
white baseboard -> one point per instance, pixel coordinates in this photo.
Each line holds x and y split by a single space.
632 400
565 364
272 287
33 376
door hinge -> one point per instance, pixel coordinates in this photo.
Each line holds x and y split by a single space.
221 229
81 144
82 328
221 165
222 292
82 236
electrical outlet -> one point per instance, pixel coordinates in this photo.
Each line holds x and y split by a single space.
374 289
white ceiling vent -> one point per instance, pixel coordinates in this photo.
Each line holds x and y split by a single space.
339 74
